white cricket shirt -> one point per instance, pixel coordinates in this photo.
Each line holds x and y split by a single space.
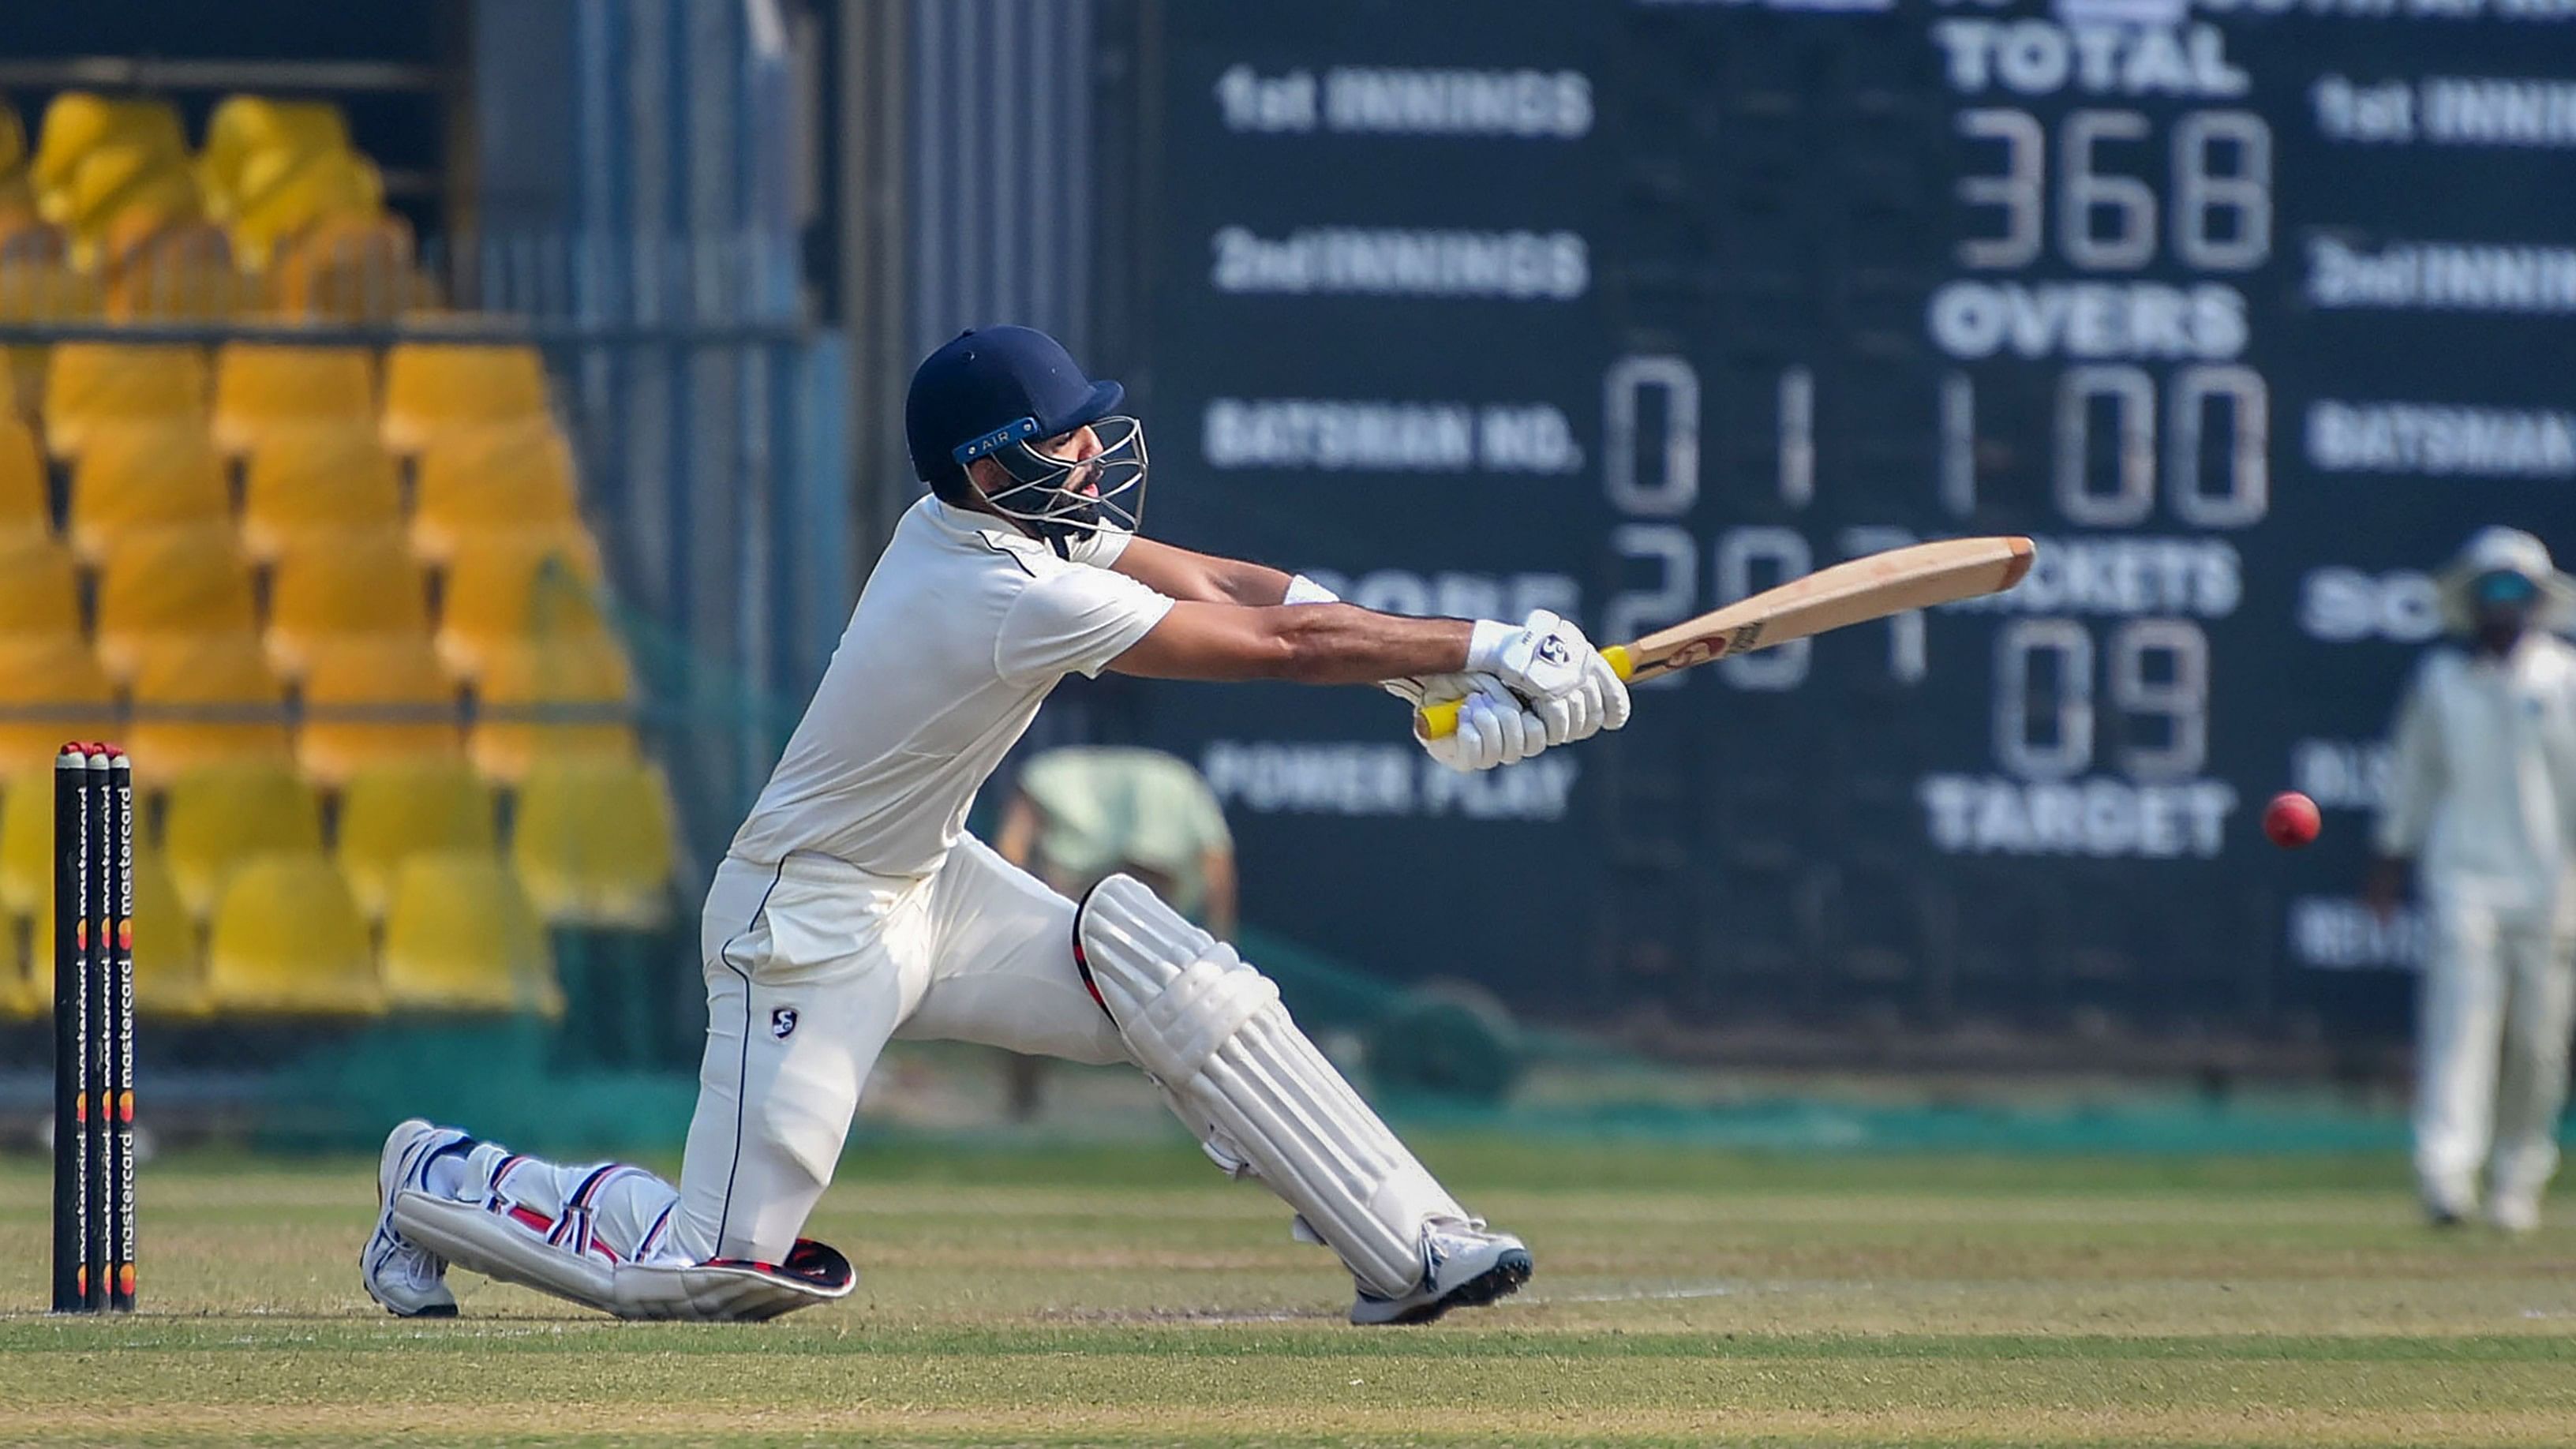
2482 779
964 626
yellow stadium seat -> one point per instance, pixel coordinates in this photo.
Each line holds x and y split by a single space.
460 936
203 699
24 937
557 699
39 586
169 970
171 582
593 842
328 586
215 817
145 477
27 240
27 906
373 701
18 212
171 271
26 886
318 478
92 387
38 285
21 997
285 193
512 484
27 844
244 125
390 813
262 388
501 591
78 123
351 269
25 393
122 195
18 215
25 512
51 690
287 940
26 892
433 386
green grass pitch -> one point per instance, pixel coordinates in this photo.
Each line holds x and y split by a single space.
1128 1295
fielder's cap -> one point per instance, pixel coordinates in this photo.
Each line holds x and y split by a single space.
1012 381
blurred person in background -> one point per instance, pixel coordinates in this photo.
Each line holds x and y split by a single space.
2482 800
1082 814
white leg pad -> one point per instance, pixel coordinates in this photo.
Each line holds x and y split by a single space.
1210 1030
600 1236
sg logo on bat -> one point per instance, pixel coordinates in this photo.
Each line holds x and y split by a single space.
1701 651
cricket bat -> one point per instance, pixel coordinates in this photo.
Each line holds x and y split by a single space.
1914 577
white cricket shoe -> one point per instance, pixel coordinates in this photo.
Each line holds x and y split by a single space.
1464 1266
410 1281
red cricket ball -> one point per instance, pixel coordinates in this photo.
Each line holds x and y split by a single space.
2291 820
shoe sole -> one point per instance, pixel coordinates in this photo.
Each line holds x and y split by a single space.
1498 1282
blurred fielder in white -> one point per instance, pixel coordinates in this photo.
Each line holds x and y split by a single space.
2482 797
853 907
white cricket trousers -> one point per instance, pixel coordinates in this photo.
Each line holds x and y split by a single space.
2491 1049
812 965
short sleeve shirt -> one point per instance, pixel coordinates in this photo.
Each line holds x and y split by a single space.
963 628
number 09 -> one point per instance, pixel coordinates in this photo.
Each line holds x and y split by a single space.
2158 692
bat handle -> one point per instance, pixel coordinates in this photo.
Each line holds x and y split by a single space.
1440 721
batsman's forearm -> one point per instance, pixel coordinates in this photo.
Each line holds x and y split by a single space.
1255 584
1345 644
1200 577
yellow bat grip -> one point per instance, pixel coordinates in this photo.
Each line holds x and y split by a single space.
1440 721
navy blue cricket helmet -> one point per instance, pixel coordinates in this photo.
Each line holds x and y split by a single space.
997 392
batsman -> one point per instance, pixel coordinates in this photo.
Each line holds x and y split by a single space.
852 906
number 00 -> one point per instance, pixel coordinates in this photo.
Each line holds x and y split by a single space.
2228 486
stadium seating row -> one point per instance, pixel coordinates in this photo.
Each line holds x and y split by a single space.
206 699
506 482
372 620
195 578
287 941
289 923
109 213
251 389
375 560
591 839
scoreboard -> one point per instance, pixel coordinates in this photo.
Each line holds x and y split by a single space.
2248 310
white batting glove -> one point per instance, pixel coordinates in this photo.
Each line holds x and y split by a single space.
1540 657
1494 727
1599 703
1547 661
